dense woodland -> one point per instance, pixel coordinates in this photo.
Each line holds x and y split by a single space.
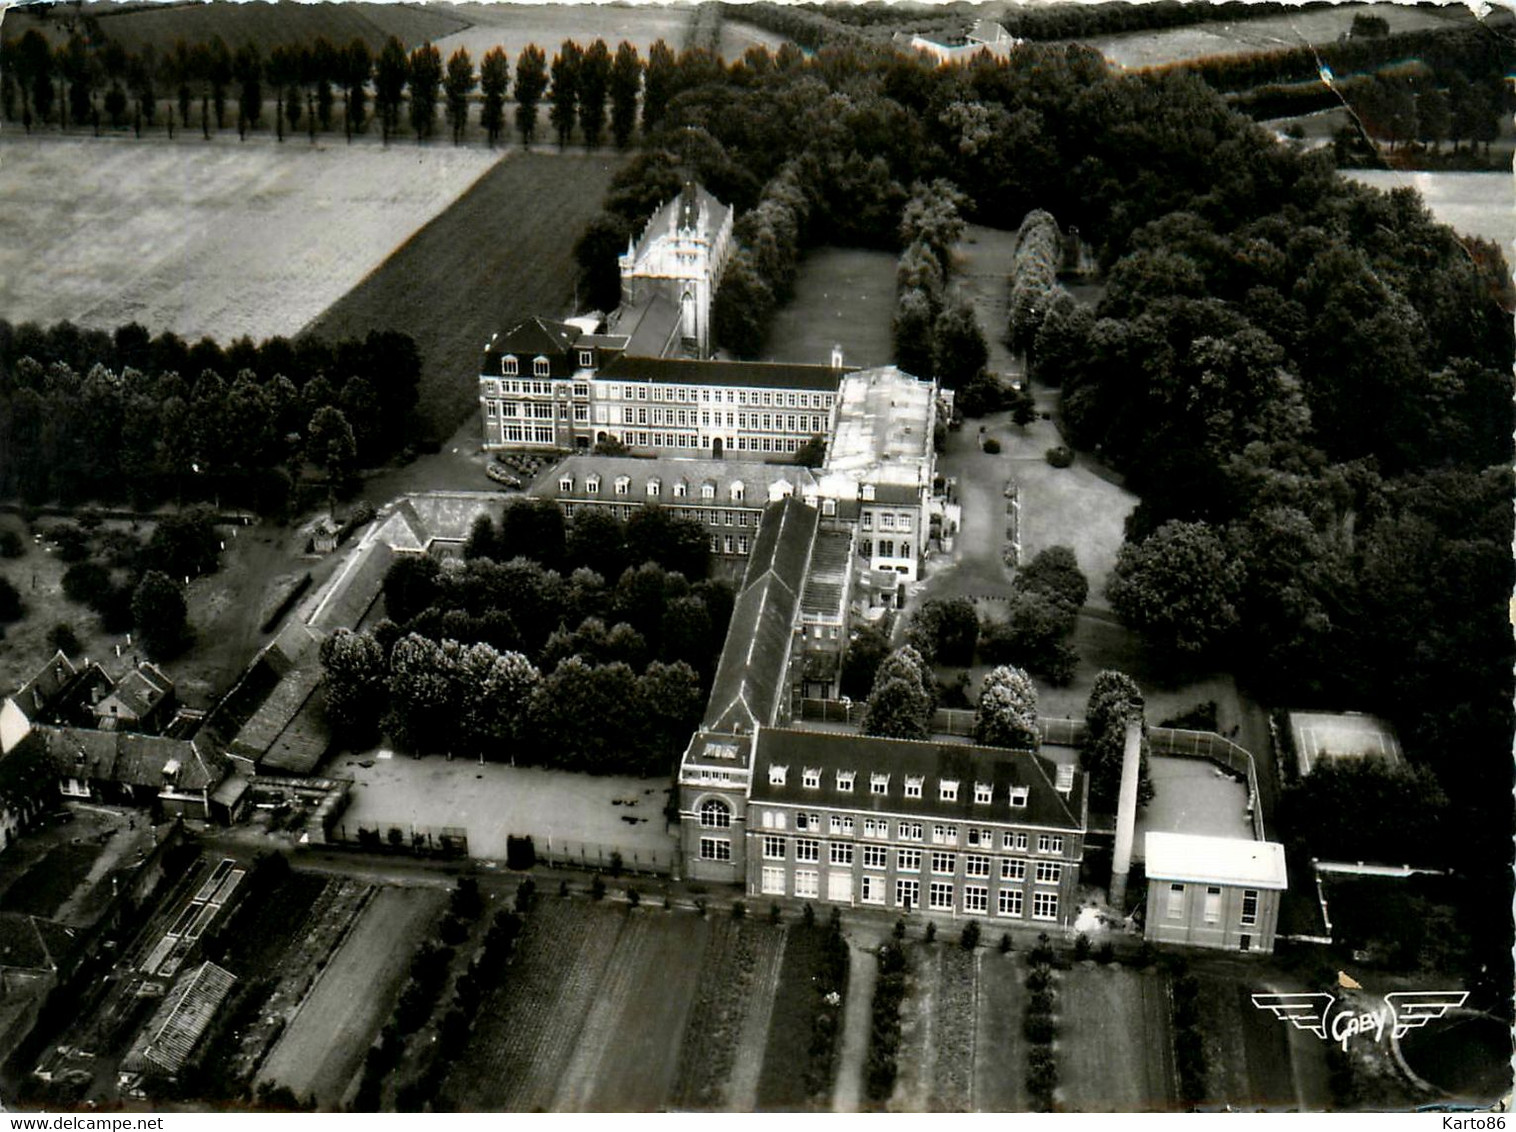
541 657
131 418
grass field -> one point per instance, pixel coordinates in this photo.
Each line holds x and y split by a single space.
981 267
1113 1041
842 296
256 22
323 1047
216 238
1247 1050
513 26
45 887
1321 25
502 252
1481 205
1000 1048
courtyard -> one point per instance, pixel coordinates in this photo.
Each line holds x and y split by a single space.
577 817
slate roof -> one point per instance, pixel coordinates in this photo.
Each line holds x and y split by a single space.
23 944
830 751
128 758
651 327
142 689
757 479
750 685
34 695
538 336
691 371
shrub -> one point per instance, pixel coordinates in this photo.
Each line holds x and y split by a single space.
808 913
11 545
633 897
970 937
931 932
1043 952
63 638
86 583
739 909
464 901
617 864
1106 953
452 931
991 446
563 888
1059 456
526 893
1040 1003
1038 1029
1005 943
1040 977
597 888
700 906
1081 947
774 914
900 928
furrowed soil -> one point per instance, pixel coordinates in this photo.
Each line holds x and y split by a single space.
503 252
209 238
322 1048
1114 1042
513 26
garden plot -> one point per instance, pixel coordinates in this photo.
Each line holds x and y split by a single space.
1114 1043
220 238
938 1031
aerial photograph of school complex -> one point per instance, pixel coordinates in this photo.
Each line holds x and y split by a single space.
750 557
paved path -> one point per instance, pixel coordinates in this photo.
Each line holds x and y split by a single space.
863 972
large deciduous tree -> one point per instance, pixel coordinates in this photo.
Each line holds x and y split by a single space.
1369 809
1179 587
160 614
901 702
1114 699
1007 712
355 671
945 631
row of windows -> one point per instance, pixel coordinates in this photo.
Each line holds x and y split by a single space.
514 431
581 389
726 545
941 895
887 547
776 848
879 785
888 521
737 490
531 410
769 398
1212 908
942 833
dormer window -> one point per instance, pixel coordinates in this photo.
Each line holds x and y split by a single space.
879 784
984 793
845 781
586 359
681 489
707 490
653 488
868 492
623 484
540 367
811 779
738 492
509 367
778 775
1018 797
592 485
829 507
947 790
566 484
913 786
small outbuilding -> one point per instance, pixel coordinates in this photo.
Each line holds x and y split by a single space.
1220 892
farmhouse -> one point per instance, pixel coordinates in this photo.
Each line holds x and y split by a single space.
1218 892
853 820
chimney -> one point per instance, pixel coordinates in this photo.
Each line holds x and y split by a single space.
837 356
1065 782
1126 809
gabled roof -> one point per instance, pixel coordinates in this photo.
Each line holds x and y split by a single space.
750 684
537 336
130 759
31 943
141 690
933 762
758 479
693 371
34 696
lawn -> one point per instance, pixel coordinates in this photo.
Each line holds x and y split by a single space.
322 1047
1244 37
1000 1048
1114 1045
1247 1049
981 270
218 238
503 252
843 296
1472 204
46 887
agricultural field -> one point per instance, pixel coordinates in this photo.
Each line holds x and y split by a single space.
322 1047
502 252
209 238
257 22
1114 1044
1001 1062
513 26
842 296
1481 205
939 1031
1248 1063
1136 50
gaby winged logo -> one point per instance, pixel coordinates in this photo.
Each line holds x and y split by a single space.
1320 1013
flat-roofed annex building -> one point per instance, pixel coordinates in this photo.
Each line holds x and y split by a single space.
1220 892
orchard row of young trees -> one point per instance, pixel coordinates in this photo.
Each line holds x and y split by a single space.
126 417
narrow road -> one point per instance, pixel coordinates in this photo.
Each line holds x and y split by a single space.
863 970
